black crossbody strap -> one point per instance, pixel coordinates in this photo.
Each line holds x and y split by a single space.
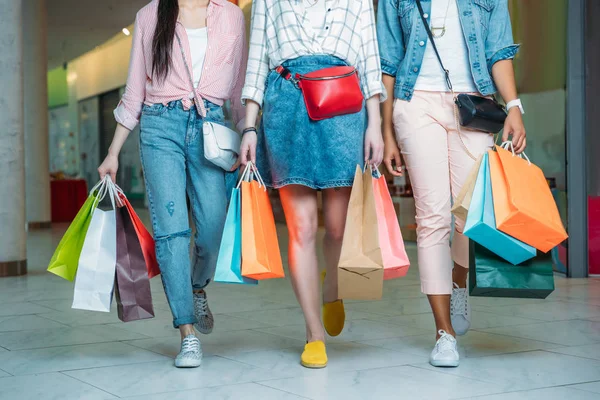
428 30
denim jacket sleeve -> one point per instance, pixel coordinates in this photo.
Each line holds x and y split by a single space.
499 44
389 36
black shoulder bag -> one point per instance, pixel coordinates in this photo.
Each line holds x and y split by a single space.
475 112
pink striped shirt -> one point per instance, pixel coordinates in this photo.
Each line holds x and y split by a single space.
224 66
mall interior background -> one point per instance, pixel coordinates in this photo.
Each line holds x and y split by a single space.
87 56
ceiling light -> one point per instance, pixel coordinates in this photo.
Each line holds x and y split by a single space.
126 32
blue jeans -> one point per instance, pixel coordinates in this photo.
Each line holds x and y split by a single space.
172 153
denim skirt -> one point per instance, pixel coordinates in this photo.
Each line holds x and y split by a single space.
295 150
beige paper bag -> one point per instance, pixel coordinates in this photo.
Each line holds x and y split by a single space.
360 270
463 200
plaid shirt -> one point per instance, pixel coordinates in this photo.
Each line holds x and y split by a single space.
281 30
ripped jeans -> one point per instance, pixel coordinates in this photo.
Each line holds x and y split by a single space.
172 153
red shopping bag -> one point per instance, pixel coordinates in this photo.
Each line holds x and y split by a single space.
395 259
146 240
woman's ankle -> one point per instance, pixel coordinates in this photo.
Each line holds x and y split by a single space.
314 337
186 330
460 275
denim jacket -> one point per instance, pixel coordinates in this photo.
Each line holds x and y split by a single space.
402 39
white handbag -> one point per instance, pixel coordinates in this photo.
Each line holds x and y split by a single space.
221 145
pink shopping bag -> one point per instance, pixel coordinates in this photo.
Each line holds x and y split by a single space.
395 259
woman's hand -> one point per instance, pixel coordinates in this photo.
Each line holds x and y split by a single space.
373 145
514 128
109 166
391 156
248 148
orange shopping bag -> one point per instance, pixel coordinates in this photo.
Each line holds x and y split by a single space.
261 258
523 203
395 259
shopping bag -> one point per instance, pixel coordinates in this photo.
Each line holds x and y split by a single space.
132 285
94 282
66 256
261 258
360 269
146 240
393 253
480 225
229 260
461 204
491 276
523 204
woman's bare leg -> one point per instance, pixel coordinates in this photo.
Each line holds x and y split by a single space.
301 214
335 208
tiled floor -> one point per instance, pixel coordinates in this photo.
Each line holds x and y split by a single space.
518 349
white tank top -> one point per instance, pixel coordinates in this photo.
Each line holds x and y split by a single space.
453 51
198 39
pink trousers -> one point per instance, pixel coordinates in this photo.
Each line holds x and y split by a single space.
438 165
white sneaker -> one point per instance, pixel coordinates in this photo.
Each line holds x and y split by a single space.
206 321
445 353
190 355
460 310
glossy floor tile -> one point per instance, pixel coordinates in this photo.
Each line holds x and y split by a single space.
161 376
55 359
527 370
555 393
52 386
593 387
384 383
517 349
244 391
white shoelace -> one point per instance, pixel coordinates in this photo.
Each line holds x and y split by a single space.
190 344
458 305
446 342
201 304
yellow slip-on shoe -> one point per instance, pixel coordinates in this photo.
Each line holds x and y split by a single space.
314 355
334 315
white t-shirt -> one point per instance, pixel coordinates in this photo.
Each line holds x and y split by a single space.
316 13
453 51
198 39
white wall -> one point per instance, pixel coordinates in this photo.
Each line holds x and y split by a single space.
102 69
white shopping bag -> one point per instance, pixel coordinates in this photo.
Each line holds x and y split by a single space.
94 283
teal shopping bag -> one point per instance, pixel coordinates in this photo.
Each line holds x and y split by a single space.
491 276
480 225
229 261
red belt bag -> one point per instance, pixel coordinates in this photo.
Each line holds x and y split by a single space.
328 92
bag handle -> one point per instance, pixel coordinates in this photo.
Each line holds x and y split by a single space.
250 172
509 145
259 178
245 177
112 192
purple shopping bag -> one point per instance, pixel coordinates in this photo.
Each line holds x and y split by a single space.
132 285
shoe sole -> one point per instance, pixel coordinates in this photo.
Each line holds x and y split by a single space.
188 364
445 363
313 366
204 332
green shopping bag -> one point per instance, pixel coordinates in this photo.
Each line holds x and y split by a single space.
66 256
491 276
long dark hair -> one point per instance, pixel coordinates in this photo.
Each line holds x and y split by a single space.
162 43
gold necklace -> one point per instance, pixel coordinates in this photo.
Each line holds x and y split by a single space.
438 32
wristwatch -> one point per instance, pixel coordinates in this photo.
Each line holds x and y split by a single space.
515 103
